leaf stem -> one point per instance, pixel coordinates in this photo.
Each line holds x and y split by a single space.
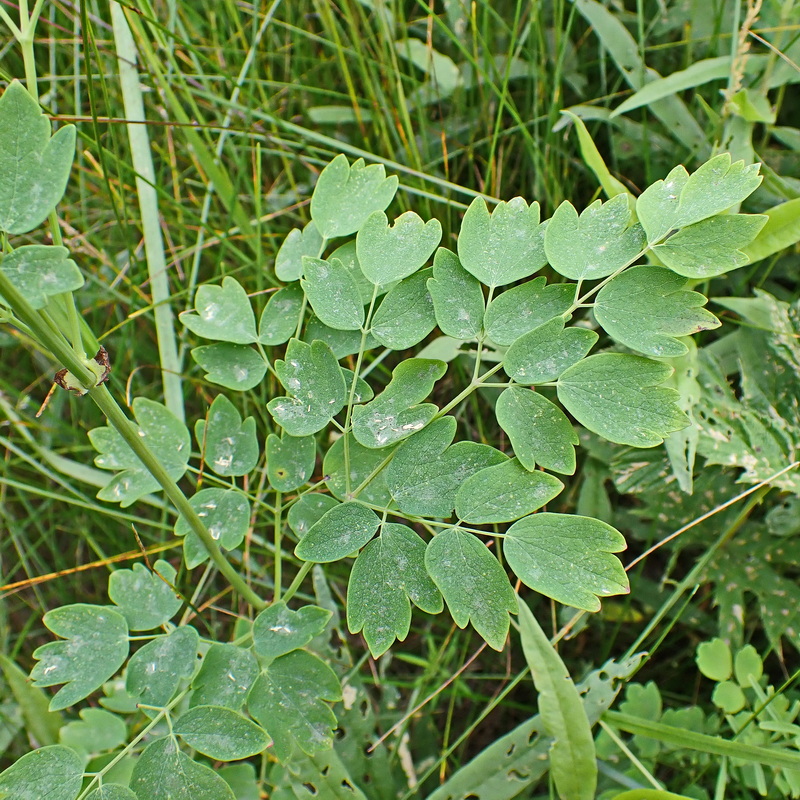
278 537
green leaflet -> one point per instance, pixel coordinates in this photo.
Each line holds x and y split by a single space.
504 492
523 308
593 245
288 700
145 597
397 412
342 343
617 396
539 431
390 253
280 316
333 293
96 647
220 733
39 272
97 731
345 195
543 354
647 308
504 246
567 557
162 770
307 510
312 376
781 230
111 791
278 630
34 168
166 436
426 473
348 255
225 677
405 317
290 461
457 297
682 199
388 573
222 313
229 446
364 461
233 366
711 247
340 531
474 585
573 762
289 260
54 772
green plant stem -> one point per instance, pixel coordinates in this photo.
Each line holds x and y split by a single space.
278 538
298 580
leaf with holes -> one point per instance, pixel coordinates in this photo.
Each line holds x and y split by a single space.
34 167
388 573
53 772
389 253
457 297
593 245
145 596
289 701
397 412
338 533
39 272
96 647
405 317
567 557
278 630
290 461
539 431
504 246
333 293
298 243
345 196
280 316
617 396
474 585
222 313
229 446
234 366
220 733
226 675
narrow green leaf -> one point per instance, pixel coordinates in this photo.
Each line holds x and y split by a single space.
406 315
390 253
457 297
567 557
617 396
144 596
539 431
162 770
650 794
345 195
781 230
503 493
474 585
544 353
289 260
647 308
96 647
278 630
308 510
593 245
388 573
290 461
397 412
220 733
39 272
34 168
222 313
504 246
225 677
97 731
525 307
229 446
40 723
333 293
364 463
280 316
53 772
233 366
288 700
573 762
340 531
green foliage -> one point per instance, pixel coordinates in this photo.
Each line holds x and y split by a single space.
40 271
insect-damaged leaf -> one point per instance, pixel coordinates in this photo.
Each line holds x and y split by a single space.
40 271
340 531
333 293
222 313
290 461
229 446
457 297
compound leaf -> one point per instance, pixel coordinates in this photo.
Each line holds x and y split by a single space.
504 492
220 733
647 308
226 675
53 772
544 353
280 316
40 271
474 585
290 461
599 242
234 366
406 316
345 196
539 431
504 246
567 557
390 253
617 396
342 530
278 630
288 700
34 168
298 243
145 597
96 647
333 293
457 297
388 573
222 313
229 446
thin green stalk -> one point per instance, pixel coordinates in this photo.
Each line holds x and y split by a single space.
278 541
298 580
